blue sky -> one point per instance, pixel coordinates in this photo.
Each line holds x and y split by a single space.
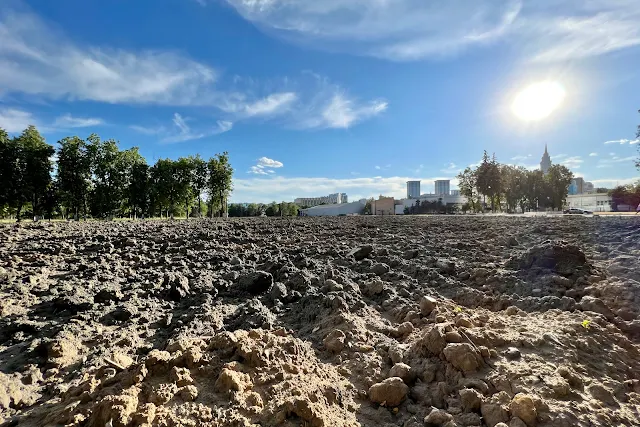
312 97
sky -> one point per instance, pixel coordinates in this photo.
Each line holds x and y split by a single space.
312 97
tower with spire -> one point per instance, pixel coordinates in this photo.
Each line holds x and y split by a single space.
545 163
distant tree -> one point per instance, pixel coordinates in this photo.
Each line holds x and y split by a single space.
368 206
488 180
468 187
406 210
73 175
220 180
601 190
513 186
184 175
558 180
139 189
534 189
36 179
273 209
200 178
11 173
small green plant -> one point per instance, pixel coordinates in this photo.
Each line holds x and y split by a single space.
586 323
458 309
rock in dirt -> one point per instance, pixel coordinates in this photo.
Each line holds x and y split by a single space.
558 257
523 407
177 286
438 417
390 392
427 305
512 353
362 252
256 282
470 399
402 370
462 356
334 342
589 303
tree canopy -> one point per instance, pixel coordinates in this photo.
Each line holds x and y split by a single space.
95 178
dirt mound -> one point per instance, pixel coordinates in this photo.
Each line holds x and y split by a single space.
320 322
557 257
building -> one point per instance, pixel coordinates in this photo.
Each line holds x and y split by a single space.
455 192
413 189
446 199
579 185
589 187
383 206
596 202
443 186
545 163
355 208
331 199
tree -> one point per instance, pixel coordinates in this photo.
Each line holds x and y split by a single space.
220 180
467 182
513 184
109 176
200 178
558 179
73 176
35 156
184 179
10 172
139 189
534 189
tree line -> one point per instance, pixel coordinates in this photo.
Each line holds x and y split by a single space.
95 178
514 187
260 209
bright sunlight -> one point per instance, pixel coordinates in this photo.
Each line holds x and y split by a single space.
538 101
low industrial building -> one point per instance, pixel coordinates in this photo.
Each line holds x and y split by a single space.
336 198
383 206
355 208
596 202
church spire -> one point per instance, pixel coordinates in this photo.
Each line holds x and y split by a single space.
545 149
545 163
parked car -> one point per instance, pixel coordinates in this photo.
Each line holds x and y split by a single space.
577 211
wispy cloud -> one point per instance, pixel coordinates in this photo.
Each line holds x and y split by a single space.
265 188
543 30
623 141
593 154
521 157
39 60
265 166
271 105
68 121
181 131
613 160
451 168
572 162
13 120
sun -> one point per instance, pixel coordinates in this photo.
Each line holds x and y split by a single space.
538 101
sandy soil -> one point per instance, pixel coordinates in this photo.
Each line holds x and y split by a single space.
416 321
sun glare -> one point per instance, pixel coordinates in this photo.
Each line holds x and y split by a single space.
538 101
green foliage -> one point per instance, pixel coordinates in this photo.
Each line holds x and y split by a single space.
586 323
96 177
558 180
467 181
625 195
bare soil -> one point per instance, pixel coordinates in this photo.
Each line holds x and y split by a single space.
404 321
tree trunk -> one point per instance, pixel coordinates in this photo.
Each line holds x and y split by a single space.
199 206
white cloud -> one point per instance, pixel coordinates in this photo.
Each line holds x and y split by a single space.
14 121
543 30
68 121
38 60
272 104
593 154
451 168
182 132
608 162
614 182
342 112
521 157
572 162
265 166
269 163
264 189
623 141
377 167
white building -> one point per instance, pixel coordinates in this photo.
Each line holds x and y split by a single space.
413 189
455 192
592 202
336 199
355 208
589 187
443 187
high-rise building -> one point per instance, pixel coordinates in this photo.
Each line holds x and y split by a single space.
413 189
545 163
589 187
455 192
443 186
579 183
